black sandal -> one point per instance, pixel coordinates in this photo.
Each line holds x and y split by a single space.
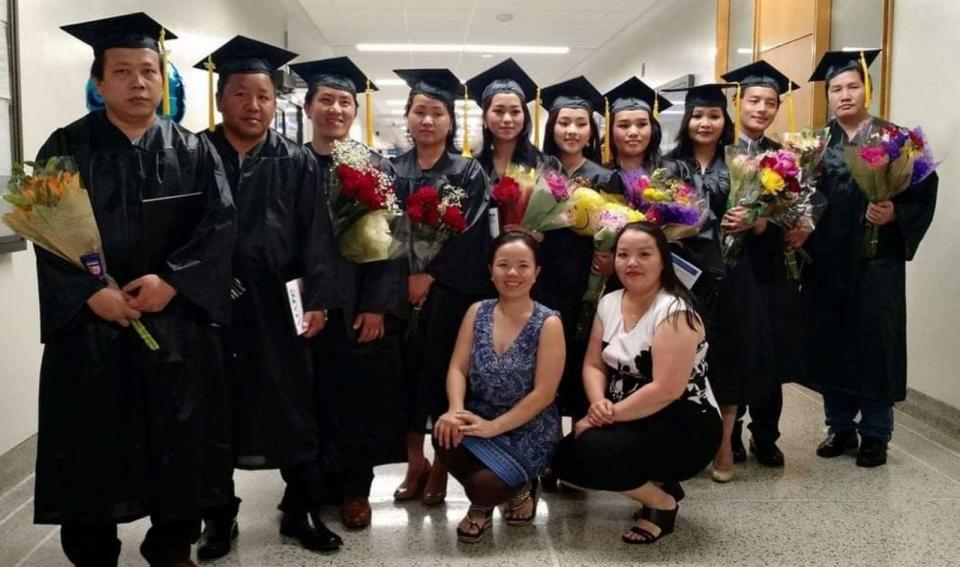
663 519
672 488
517 503
482 526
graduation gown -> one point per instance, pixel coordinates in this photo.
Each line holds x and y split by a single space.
461 277
563 281
283 233
361 385
780 297
125 432
856 307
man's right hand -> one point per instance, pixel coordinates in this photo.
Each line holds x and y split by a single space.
111 305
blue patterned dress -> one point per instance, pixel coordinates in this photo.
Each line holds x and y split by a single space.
496 384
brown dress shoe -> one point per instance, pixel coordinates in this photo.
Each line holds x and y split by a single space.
356 513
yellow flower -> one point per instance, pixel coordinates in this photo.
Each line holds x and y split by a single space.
771 181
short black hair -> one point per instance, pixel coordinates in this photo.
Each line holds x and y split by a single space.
314 88
222 81
743 92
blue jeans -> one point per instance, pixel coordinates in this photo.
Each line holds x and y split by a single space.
841 408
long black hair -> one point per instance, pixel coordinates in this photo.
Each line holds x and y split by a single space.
524 153
591 151
669 281
651 157
684 148
451 110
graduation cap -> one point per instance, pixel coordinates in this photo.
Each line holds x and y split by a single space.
136 30
763 74
573 93
634 94
342 74
507 77
835 62
440 84
241 55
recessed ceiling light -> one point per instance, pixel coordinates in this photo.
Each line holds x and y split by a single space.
463 48
487 55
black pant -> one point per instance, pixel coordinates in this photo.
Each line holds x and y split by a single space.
164 543
674 444
303 493
764 415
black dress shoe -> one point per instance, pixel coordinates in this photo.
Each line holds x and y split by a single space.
837 444
739 451
872 453
767 453
217 538
310 531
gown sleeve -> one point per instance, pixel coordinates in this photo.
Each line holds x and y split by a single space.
914 212
200 270
315 232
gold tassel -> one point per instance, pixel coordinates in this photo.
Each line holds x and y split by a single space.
656 106
369 109
736 120
212 126
868 90
607 154
165 73
466 132
536 120
791 117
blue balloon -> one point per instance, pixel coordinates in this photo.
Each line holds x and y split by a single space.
178 98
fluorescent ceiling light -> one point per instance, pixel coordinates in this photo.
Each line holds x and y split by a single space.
397 102
463 48
390 82
744 51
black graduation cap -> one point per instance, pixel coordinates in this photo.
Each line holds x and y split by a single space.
710 95
436 83
634 94
761 74
338 73
136 30
504 77
244 55
835 62
573 93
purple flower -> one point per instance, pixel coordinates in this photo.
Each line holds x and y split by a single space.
559 187
673 213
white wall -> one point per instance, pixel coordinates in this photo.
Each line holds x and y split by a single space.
924 86
54 69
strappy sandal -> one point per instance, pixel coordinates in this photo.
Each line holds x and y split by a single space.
482 526
663 519
672 488
519 501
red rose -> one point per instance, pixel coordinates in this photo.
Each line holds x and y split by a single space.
371 198
351 180
653 216
432 217
506 190
917 138
768 162
793 185
415 212
453 218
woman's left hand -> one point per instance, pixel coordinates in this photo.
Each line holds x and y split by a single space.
476 426
735 220
881 213
602 264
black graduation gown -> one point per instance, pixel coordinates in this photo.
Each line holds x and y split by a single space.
461 278
856 307
563 281
283 232
125 432
780 296
361 385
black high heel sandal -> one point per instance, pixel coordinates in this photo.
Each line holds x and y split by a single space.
482 526
673 488
663 519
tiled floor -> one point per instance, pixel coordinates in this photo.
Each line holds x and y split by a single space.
814 512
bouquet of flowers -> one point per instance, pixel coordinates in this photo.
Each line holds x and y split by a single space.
886 163
53 210
534 200
745 191
363 203
676 207
809 145
434 217
600 216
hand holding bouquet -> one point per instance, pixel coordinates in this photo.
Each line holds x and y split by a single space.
52 210
533 200
885 164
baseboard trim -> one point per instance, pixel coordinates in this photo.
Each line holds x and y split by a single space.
932 411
